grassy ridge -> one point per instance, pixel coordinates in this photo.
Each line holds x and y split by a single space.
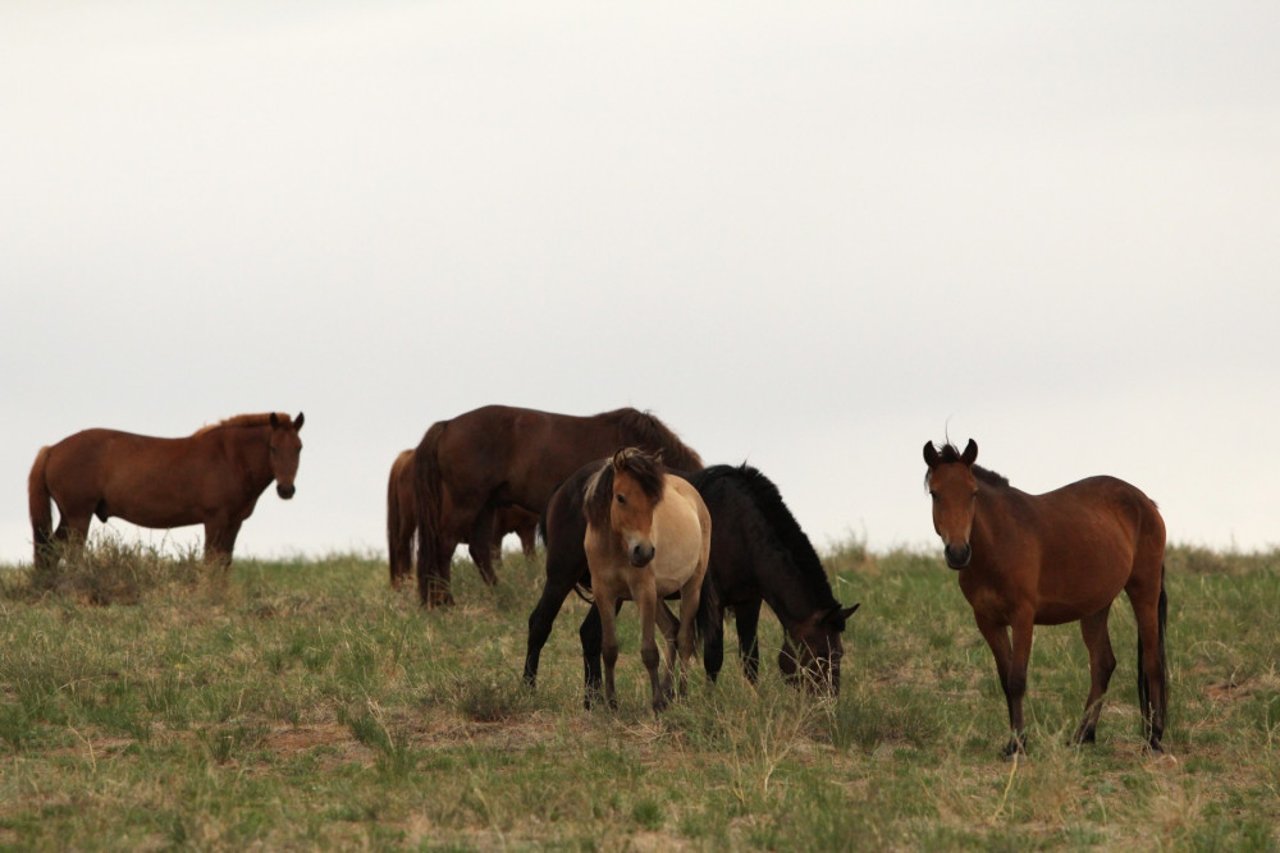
145 702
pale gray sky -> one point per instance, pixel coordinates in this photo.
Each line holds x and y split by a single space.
812 236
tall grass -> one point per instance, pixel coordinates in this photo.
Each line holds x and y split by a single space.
150 701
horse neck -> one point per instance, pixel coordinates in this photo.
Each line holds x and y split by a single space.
249 451
792 597
992 519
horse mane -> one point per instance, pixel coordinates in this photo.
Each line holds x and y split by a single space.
647 470
252 420
781 523
949 453
642 429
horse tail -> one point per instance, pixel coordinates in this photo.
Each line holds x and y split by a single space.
428 493
1164 665
40 505
1144 687
399 544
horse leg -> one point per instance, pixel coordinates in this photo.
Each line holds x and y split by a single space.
435 573
591 635
997 637
480 545
689 596
607 610
645 593
670 627
747 619
541 621
73 531
220 540
1102 662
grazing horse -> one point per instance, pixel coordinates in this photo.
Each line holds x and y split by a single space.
402 521
648 537
758 554
213 477
1026 560
470 466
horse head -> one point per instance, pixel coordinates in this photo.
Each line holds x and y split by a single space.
286 448
954 491
812 650
637 489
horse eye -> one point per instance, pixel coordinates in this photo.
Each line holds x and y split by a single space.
621 499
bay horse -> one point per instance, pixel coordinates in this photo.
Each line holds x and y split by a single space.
212 477
402 523
648 536
1026 560
468 467
759 554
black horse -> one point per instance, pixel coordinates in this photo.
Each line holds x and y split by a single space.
758 553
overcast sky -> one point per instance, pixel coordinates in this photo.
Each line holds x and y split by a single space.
810 236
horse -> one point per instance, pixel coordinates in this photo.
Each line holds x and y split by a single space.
648 536
402 520
1026 560
468 467
212 477
759 554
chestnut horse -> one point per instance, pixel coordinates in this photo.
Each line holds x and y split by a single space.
470 466
648 537
1062 556
212 477
402 521
759 554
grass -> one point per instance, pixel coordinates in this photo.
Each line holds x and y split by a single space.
149 702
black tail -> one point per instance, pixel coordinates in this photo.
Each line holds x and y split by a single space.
1144 688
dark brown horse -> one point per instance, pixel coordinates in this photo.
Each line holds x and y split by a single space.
402 523
472 465
212 477
759 554
1062 556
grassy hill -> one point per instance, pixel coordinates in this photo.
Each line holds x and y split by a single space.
147 702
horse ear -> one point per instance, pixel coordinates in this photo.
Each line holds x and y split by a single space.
836 616
619 458
297 422
930 454
275 421
970 454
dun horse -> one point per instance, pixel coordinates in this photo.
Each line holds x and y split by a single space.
470 466
213 477
648 537
759 554
1062 556
402 522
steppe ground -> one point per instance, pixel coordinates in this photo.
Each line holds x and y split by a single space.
147 702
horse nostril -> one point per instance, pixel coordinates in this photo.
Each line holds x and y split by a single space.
958 556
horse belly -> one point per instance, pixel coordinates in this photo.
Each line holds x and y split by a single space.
679 547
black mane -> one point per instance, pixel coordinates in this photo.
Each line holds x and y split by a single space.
782 525
950 453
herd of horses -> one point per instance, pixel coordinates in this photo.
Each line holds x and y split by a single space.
629 512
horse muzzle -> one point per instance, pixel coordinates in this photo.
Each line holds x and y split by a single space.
285 492
958 556
640 555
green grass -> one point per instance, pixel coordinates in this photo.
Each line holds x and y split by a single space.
149 702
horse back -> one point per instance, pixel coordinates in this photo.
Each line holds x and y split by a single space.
1073 549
